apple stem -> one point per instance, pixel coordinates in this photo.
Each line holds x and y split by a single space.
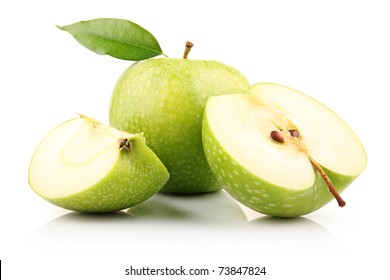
187 49
331 188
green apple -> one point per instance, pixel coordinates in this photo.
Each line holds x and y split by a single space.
278 151
84 165
165 99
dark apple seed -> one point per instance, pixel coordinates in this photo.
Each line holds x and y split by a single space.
123 143
277 136
294 133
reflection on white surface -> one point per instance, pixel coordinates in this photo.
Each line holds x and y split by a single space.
194 231
217 207
299 233
163 213
169 222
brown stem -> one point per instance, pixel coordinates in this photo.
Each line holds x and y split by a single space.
187 50
331 188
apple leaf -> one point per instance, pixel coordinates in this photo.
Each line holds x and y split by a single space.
118 38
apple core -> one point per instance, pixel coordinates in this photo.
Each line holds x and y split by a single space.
292 135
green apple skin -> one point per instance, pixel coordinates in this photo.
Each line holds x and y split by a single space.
136 175
165 98
255 113
263 196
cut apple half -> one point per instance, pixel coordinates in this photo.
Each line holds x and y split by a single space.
278 151
86 166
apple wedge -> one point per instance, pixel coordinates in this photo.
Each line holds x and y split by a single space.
84 165
278 151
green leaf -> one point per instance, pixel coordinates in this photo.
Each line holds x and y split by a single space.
119 38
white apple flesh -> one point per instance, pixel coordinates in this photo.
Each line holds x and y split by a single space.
84 165
278 151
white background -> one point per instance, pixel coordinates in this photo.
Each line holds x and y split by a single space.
336 51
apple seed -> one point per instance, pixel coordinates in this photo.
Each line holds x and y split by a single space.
277 136
124 143
294 133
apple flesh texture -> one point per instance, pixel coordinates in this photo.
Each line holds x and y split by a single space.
86 166
278 179
165 99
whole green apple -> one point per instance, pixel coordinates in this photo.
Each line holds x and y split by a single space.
278 151
165 99
86 166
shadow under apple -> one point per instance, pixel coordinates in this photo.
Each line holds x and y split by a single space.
300 233
297 223
207 208
163 221
79 225
168 222
162 211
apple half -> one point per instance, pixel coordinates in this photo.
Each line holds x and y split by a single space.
278 151
84 165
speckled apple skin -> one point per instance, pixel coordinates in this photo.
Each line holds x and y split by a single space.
165 99
135 177
263 196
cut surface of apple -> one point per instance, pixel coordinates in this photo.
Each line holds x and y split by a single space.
272 145
86 166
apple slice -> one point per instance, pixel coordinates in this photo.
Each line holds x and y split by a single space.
278 151
84 165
